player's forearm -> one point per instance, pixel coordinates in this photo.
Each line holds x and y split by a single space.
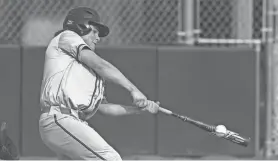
110 73
118 110
105 69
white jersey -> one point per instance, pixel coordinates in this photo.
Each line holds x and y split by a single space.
66 81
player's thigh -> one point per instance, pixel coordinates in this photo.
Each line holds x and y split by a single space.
86 142
77 140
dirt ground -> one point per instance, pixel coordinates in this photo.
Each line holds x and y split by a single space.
154 157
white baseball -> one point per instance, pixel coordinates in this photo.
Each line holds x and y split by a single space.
220 130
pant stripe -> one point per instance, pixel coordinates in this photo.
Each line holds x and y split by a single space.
63 128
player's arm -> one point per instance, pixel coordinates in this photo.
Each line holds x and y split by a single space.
105 69
74 46
111 109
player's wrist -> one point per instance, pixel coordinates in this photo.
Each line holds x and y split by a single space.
132 89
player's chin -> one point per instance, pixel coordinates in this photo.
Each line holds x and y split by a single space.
93 46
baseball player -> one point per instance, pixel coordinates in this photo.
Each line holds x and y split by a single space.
72 90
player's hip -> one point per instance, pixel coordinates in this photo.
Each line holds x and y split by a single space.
77 113
48 122
68 136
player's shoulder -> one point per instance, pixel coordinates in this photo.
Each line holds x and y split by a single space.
69 34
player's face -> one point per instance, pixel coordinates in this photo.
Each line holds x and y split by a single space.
92 38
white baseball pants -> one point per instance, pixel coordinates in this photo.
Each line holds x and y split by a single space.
73 139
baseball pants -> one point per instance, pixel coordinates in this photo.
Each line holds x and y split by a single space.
73 139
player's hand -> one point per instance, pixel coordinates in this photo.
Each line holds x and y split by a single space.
139 99
151 106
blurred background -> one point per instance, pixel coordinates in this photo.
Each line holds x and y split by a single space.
213 60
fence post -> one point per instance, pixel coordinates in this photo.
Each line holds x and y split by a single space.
186 15
243 19
271 46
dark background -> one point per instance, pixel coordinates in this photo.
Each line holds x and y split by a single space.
213 85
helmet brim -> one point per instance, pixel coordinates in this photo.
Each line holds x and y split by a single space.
103 29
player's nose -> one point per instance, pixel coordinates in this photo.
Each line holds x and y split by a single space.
97 37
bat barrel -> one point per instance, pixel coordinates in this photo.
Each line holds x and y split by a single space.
231 136
202 125
236 138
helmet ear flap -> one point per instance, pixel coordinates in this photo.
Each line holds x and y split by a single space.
82 29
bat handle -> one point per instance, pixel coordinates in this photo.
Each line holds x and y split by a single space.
163 110
168 112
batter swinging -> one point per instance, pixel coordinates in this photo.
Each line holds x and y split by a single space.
73 90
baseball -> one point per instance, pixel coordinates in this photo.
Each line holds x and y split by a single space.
220 130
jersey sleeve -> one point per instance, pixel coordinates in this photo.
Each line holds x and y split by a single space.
71 43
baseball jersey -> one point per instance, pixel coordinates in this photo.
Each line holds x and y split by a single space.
66 81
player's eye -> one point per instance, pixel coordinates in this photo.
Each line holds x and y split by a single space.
95 31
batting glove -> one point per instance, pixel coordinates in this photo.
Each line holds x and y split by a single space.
152 107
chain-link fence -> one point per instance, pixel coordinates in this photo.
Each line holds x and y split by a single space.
131 21
33 22
230 19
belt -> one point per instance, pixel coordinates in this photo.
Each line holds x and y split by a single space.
58 109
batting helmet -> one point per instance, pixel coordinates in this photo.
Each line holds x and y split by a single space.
79 18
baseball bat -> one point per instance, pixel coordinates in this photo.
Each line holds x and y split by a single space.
230 135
